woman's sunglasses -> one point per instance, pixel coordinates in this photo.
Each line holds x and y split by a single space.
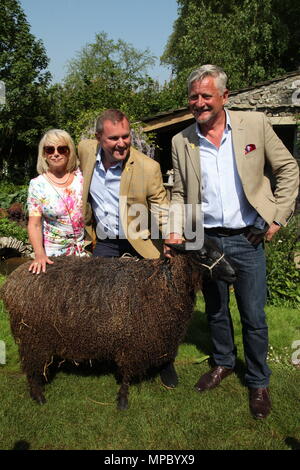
61 149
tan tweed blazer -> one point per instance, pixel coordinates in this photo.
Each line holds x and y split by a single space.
141 183
273 200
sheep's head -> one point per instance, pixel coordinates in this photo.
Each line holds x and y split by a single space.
209 260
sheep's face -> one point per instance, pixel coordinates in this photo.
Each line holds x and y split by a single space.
213 263
209 261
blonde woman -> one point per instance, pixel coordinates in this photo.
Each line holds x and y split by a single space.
56 225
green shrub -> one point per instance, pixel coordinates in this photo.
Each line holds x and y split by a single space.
12 229
10 193
283 277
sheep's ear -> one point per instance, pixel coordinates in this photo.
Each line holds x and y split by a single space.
177 246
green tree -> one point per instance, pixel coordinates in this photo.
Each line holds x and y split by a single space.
252 40
22 68
106 74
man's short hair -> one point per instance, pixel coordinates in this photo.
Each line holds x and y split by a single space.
208 70
113 115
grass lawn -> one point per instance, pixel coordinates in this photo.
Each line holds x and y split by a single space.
80 412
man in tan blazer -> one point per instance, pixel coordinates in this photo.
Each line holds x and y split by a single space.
221 167
125 202
136 198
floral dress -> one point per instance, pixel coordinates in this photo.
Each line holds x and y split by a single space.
62 215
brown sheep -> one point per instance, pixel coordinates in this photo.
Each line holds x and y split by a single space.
132 312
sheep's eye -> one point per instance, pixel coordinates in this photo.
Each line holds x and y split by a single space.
202 256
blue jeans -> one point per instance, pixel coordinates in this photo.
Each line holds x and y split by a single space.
250 292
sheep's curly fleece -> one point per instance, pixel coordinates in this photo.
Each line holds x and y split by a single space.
132 312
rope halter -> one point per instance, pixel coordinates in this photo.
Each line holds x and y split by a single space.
210 268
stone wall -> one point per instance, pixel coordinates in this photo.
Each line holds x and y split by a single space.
280 97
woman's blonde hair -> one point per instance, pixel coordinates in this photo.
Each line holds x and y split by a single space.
53 136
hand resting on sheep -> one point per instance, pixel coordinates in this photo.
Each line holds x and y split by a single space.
132 312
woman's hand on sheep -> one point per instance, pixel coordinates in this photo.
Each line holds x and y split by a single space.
174 238
39 264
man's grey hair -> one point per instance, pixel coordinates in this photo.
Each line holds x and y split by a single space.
208 70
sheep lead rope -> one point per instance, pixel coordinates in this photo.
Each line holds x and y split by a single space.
213 265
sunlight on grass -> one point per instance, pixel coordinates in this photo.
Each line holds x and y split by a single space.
80 412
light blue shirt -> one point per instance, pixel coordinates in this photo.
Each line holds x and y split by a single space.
224 203
104 198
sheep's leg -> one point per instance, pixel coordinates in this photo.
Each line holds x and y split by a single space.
35 379
122 398
36 388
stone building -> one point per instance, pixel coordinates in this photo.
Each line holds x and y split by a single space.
278 98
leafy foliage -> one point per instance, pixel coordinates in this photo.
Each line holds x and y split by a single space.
9 228
106 74
250 39
283 276
24 115
10 193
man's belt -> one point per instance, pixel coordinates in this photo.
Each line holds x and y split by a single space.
226 232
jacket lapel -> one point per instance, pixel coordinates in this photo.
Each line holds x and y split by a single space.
127 175
192 151
191 143
238 139
89 169
124 188
90 164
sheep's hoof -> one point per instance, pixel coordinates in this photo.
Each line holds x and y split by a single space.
122 403
40 399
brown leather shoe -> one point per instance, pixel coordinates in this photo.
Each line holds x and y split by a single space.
212 378
260 402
